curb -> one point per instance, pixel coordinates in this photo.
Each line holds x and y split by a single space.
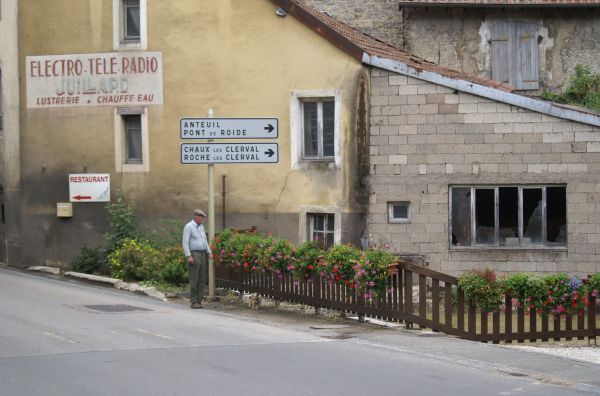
49 270
119 284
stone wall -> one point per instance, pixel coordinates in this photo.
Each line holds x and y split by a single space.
459 39
378 18
425 138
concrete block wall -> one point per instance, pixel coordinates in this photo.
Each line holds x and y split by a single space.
425 138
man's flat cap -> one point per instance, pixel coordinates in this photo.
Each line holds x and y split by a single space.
198 212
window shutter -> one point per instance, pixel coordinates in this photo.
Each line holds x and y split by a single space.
526 67
501 58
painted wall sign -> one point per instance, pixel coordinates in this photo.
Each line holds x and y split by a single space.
229 128
89 187
229 153
108 79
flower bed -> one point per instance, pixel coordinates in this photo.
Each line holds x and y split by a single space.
555 294
363 271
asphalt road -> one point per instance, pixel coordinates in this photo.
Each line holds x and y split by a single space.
65 338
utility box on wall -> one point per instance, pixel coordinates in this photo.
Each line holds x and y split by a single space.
64 209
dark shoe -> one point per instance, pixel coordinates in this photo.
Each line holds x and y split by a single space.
196 306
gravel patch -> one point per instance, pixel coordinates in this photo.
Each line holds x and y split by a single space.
581 353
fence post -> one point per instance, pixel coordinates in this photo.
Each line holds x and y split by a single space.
592 318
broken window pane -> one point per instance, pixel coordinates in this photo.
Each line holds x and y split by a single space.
532 216
508 212
556 215
461 216
485 216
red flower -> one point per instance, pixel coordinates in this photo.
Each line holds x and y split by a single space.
245 265
310 267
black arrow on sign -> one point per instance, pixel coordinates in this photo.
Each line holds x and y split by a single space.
269 128
270 152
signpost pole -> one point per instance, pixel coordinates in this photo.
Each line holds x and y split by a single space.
211 222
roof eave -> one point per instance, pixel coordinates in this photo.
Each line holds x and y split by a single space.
525 102
320 28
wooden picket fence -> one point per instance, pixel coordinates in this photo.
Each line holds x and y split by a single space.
423 297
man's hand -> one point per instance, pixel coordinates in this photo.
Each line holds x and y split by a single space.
190 260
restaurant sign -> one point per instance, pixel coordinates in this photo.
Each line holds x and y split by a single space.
108 79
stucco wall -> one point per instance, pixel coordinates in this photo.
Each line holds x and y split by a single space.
10 231
458 39
425 138
237 58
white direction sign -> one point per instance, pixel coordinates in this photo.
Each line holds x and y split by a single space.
229 153
89 187
228 128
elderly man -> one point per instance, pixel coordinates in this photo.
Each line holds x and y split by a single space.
197 251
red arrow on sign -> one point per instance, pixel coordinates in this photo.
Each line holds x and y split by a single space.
80 197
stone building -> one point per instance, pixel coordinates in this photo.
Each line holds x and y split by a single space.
469 173
531 45
104 85
10 240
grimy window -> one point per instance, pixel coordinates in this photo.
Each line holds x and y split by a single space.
321 228
131 16
318 126
133 139
508 216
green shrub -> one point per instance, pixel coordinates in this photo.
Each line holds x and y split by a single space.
121 217
89 261
276 255
174 265
340 261
135 260
371 272
593 283
307 258
583 90
528 290
481 289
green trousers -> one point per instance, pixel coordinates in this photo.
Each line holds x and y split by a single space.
197 275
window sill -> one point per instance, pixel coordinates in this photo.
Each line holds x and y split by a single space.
509 248
399 221
316 165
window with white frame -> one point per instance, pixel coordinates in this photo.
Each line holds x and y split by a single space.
398 212
131 20
321 228
315 129
129 24
131 139
508 216
318 129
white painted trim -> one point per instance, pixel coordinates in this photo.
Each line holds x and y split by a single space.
118 24
525 102
296 126
337 221
119 127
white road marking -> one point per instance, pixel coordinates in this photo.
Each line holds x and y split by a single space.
156 335
54 335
